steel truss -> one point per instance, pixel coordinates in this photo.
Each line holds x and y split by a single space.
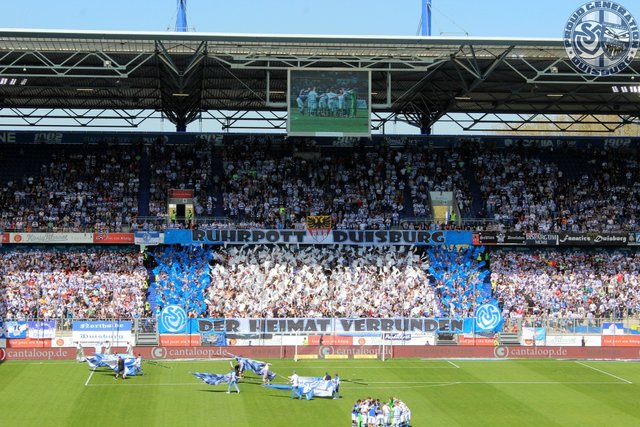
240 82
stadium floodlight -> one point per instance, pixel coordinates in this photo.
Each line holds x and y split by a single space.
625 88
4 81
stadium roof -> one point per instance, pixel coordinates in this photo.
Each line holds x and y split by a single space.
98 78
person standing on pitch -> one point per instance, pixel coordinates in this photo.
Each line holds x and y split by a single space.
336 386
233 379
295 385
265 374
121 370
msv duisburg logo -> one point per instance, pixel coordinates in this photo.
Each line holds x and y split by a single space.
488 318
601 38
173 319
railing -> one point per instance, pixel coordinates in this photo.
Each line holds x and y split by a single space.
160 223
569 326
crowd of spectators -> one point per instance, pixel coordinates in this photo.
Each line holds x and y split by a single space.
570 284
517 190
78 188
526 191
608 200
433 170
182 277
310 282
263 183
359 189
182 167
49 284
322 281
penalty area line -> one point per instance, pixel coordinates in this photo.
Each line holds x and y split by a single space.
120 384
89 379
604 372
454 365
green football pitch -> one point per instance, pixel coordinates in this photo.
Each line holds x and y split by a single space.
337 125
438 392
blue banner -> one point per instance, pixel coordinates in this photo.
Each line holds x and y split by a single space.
177 237
331 237
42 329
15 329
488 318
176 322
100 331
101 326
173 320
147 238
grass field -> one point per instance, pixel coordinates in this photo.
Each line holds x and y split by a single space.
313 124
439 393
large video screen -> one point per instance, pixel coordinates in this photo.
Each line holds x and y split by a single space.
329 103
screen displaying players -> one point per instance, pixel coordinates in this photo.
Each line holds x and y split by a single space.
329 103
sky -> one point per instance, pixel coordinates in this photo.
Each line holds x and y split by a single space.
473 18
489 18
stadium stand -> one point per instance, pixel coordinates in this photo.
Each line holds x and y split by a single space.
266 183
71 284
69 188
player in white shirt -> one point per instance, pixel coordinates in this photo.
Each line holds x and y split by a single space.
312 102
294 379
233 380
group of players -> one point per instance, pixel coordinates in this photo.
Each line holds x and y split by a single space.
331 102
372 412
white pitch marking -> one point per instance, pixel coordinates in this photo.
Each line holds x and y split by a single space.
380 367
145 385
89 379
400 384
604 372
454 365
496 382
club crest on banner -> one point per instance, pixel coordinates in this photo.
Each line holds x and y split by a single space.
488 318
319 227
601 38
173 319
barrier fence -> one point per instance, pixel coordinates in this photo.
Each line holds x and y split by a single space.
309 332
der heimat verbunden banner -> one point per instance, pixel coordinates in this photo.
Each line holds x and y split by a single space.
315 237
322 326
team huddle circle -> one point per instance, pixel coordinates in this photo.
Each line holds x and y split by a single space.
372 411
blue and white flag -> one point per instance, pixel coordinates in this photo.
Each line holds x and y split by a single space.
132 365
310 387
254 366
316 387
212 379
